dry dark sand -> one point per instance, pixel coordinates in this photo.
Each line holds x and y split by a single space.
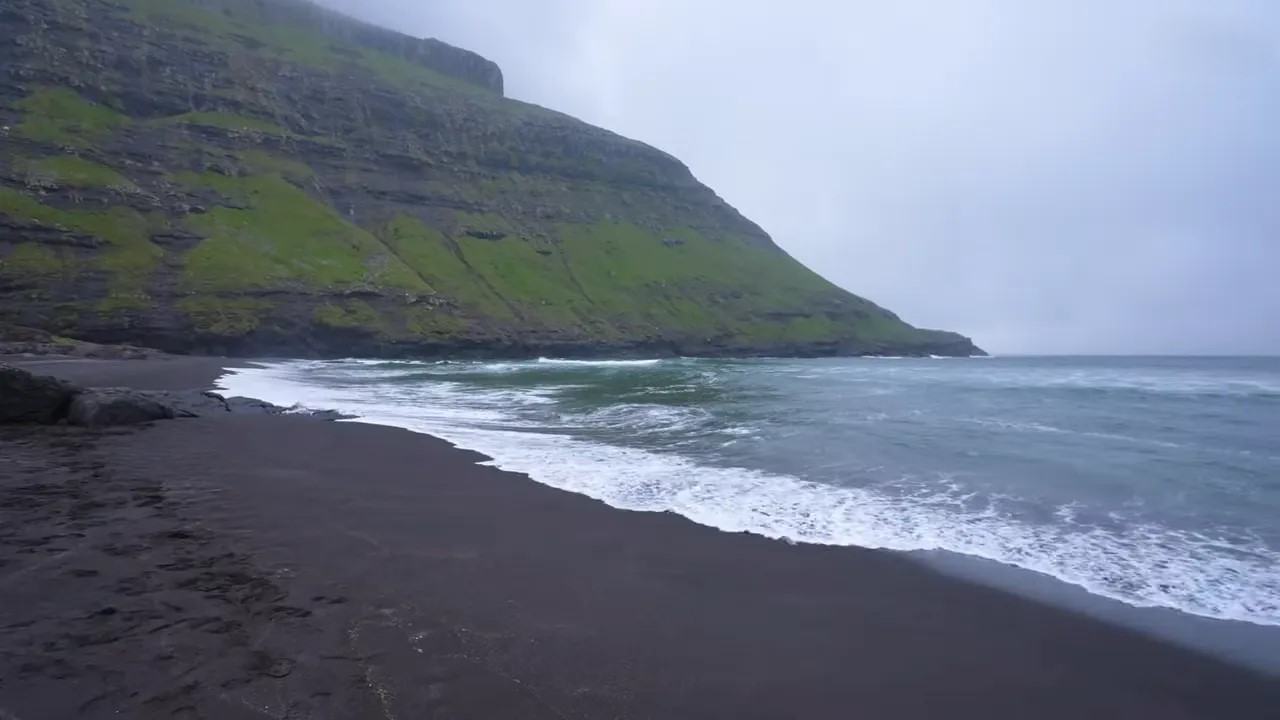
286 567
167 372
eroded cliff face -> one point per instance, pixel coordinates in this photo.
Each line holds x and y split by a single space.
266 177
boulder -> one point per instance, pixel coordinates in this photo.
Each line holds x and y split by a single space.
252 406
116 406
191 403
25 397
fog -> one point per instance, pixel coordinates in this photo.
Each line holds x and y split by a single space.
1060 176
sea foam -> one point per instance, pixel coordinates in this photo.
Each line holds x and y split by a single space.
1137 563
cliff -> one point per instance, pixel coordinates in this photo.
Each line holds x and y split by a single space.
267 177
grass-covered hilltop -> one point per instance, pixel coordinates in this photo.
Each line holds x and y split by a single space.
267 177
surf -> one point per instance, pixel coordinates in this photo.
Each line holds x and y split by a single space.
786 449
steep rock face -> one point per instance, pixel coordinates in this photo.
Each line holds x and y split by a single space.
266 177
301 15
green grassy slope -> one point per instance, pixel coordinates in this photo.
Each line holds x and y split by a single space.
263 176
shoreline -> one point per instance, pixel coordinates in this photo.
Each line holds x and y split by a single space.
483 592
1239 642
1252 644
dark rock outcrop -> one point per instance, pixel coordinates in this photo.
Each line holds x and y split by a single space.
77 349
15 340
251 406
101 407
192 403
28 398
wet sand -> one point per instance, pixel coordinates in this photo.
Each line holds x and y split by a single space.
288 567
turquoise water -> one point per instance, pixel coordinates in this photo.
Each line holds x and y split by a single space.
1152 481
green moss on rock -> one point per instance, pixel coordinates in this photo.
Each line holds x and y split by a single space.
123 299
441 265
72 170
284 237
17 204
31 259
261 162
354 313
129 257
226 121
432 322
60 116
226 316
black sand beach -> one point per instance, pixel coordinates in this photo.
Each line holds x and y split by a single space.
292 568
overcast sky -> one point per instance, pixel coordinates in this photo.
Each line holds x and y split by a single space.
1045 176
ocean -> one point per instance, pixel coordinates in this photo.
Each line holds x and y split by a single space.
1154 482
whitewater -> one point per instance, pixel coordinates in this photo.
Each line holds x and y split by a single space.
1151 481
